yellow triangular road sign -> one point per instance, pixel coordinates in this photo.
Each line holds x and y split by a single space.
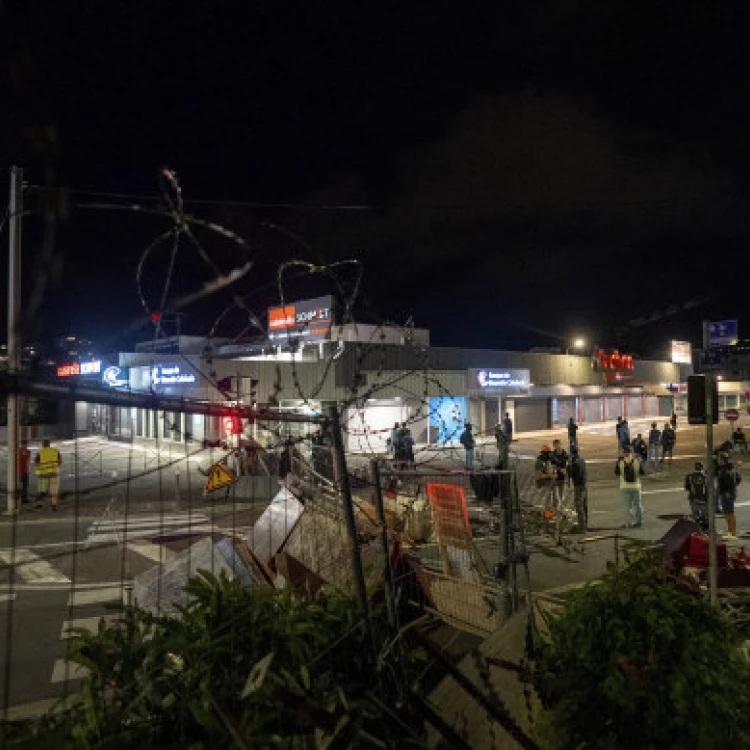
219 477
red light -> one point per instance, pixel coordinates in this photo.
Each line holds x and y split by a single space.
155 317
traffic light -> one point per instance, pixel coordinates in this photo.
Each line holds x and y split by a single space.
697 400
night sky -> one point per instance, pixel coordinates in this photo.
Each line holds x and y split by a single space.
510 178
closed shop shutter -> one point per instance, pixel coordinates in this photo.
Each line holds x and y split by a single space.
566 408
652 406
614 407
532 414
592 409
635 406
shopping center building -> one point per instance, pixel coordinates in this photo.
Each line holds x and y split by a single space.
379 377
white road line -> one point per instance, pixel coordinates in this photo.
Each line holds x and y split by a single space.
664 489
152 551
7 597
90 623
105 538
31 568
95 596
66 670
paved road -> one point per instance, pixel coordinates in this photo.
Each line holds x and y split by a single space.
70 566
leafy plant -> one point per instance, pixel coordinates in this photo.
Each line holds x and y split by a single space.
637 662
236 667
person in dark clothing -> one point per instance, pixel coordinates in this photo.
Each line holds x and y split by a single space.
467 440
696 485
726 482
508 428
618 432
407 446
400 454
502 447
625 433
578 479
739 439
654 441
559 461
393 440
572 434
673 420
640 448
668 440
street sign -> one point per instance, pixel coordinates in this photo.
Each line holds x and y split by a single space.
732 415
219 477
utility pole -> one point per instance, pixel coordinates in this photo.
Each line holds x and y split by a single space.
712 572
15 222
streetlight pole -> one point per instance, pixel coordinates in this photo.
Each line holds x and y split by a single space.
15 221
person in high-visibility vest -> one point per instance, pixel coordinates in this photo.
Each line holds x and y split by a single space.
48 462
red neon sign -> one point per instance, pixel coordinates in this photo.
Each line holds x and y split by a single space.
614 360
66 371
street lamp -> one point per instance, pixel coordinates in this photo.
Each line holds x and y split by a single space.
577 344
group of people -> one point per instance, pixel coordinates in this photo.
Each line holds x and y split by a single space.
401 443
657 449
726 480
503 437
47 465
554 470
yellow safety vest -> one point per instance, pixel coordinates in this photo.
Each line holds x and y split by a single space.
49 462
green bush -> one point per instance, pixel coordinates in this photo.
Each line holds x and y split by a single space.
237 667
636 662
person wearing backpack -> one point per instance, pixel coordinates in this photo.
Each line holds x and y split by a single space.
467 440
654 441
640 448
696 485
577 476
630 469
726 483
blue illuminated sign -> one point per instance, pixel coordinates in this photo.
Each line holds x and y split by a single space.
115 377
171 375
722 333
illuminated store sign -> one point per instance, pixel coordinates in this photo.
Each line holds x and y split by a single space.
170 375
613 360
503 378
73 369
309 320
115 377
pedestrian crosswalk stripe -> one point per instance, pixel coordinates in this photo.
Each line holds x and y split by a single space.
7 597
155 552
65 670
90 623
31 568
95 596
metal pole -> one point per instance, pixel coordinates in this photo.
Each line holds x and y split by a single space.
385 546
342 476
712 572
15 220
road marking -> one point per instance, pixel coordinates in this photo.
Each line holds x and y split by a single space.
7 597
664 489
31 568
155 552
90 623
67 670
95 596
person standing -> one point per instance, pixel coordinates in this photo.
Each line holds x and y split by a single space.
673 420
726 483
640 448
393 442
572 434
508 428
48 462
668 439
696 485
407 447
618 432
654 441
467 440
578 479
24 460
629 469
625 433
559 461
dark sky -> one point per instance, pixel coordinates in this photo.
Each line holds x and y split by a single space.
533 171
